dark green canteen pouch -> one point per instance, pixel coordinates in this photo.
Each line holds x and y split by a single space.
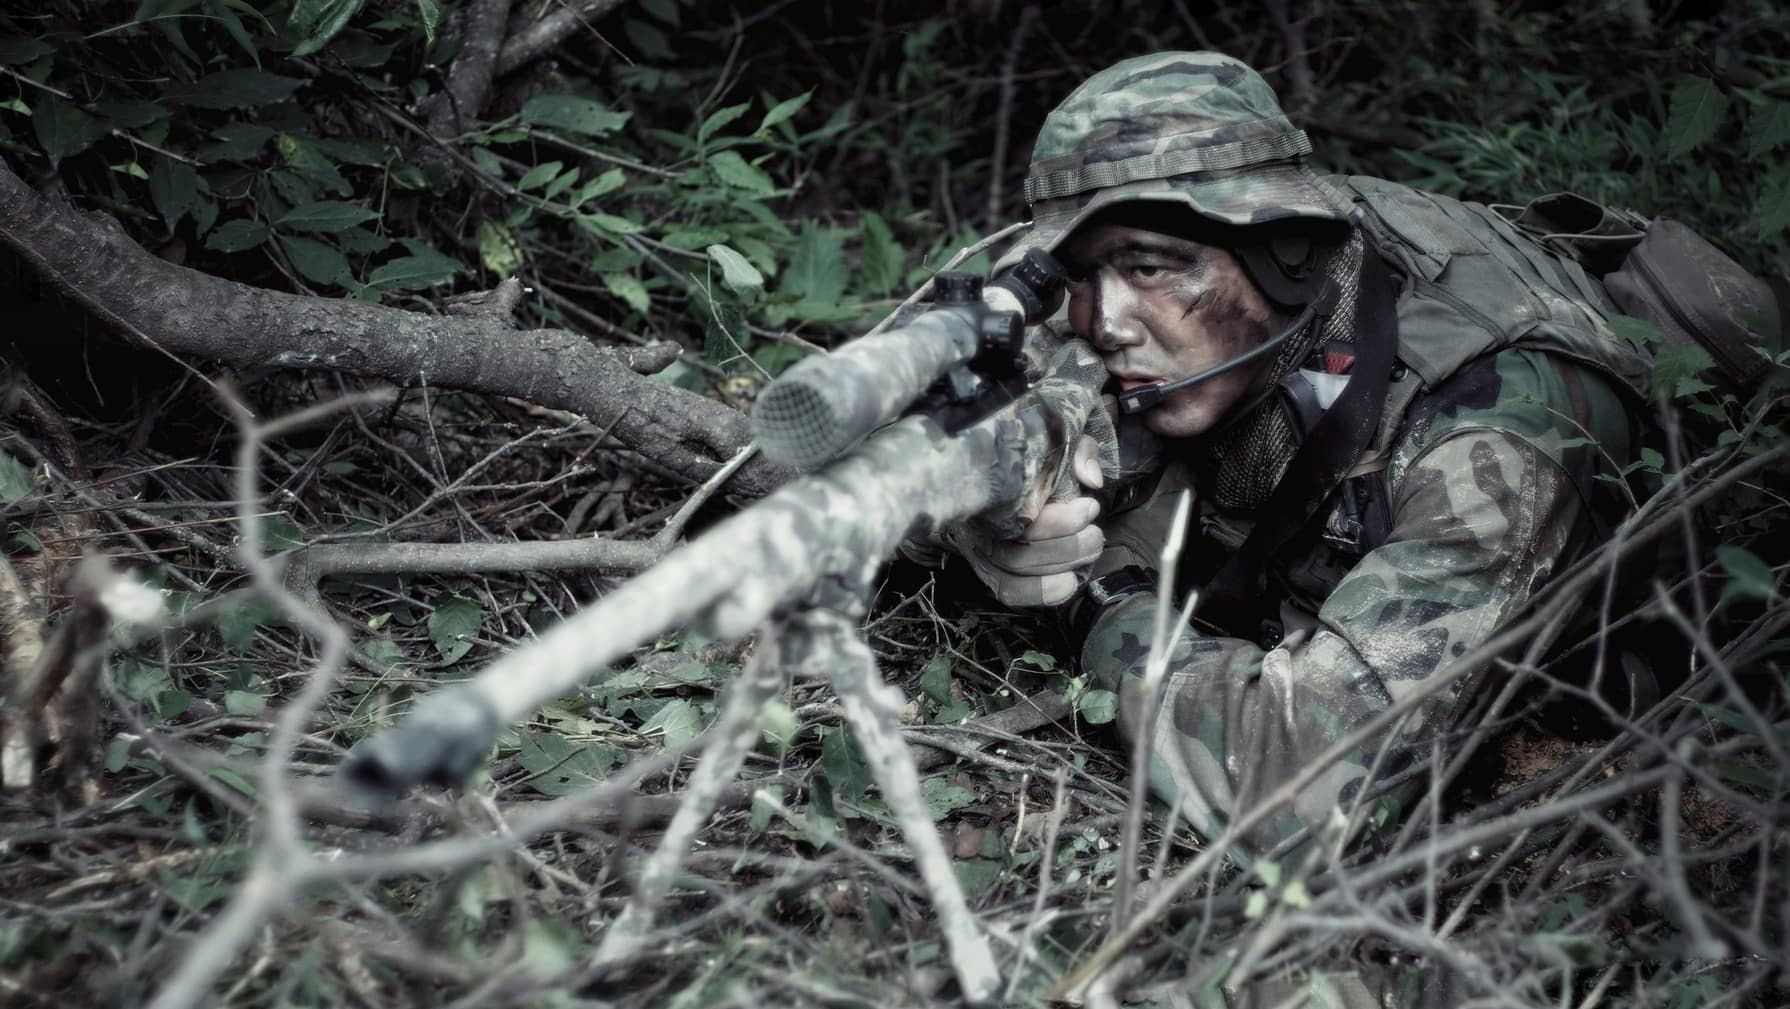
1697 296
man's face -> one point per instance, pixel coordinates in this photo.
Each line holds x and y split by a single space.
1161 308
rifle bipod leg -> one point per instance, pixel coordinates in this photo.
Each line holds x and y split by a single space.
833 645
736 730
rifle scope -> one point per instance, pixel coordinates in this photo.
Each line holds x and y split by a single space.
822 406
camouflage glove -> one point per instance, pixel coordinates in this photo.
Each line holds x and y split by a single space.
1046 565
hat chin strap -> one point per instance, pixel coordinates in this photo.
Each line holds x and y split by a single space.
1141 399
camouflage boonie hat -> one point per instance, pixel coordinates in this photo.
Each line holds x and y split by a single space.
1199 129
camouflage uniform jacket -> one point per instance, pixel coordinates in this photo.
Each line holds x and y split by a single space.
1510 399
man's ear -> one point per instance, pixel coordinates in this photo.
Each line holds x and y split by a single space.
1286 262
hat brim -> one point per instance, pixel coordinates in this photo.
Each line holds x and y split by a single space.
1257 195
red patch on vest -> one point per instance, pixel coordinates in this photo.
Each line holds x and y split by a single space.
1338 364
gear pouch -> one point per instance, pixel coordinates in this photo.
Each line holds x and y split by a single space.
1599 237
1697 296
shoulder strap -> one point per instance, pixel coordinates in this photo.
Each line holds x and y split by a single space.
1236 599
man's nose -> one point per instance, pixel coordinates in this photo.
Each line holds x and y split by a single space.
1112 323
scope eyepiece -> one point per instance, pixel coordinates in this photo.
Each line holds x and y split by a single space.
1037 283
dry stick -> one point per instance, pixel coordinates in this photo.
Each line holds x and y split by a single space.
1580 580
312 564
1002 126
736 730
1162 637
873 708
1053 826
282 865
1703 943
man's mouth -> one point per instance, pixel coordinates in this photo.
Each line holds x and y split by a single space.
1128 384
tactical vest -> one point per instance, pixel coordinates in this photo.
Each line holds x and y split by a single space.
1475 285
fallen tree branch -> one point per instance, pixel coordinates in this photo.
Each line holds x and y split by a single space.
469 81
531 42
183 311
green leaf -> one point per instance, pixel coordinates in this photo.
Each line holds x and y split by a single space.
453 625
678 722
235 89
648 39
935 678
1638 332
236 142
241 702
239 615
778 725
236 235
560 767
413 273
498 249
310 163
1675 370
118 754
1773 211
1099 706
129 113
615 260
783 110
816 269
317 262
690 239
539 175
15 480
734 170
628 288
561 184
318 21
602 185
430 14
611 226
1696 113
1768 127
573 114
721 118
740 276
549 948
1748 576
327 216
17 51
1652 460
173 187
844 765
943 798
883 257
63 130
976 875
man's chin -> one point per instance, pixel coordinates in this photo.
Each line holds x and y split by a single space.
1167 422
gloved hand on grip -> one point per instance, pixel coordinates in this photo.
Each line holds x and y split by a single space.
1044 568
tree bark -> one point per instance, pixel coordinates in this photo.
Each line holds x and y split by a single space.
185 311
531 42
469 82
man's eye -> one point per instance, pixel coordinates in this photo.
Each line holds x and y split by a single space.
1146 271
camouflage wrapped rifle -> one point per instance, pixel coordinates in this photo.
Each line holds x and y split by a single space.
799 564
